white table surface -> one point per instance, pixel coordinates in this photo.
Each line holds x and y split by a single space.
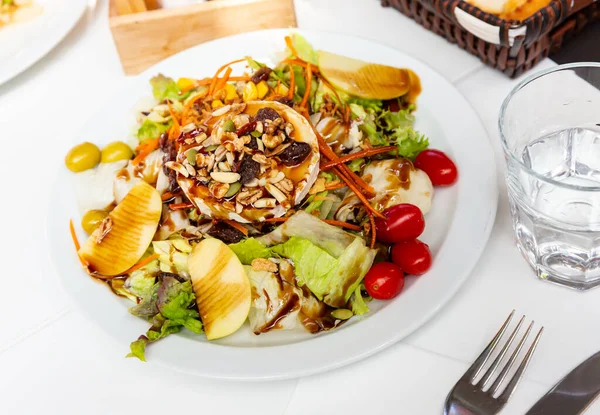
53 361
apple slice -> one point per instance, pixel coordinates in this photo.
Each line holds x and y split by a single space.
221 286
366 80
123 237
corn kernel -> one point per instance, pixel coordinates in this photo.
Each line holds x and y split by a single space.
186 83
282 90
262 89
217 103
230 92
250 92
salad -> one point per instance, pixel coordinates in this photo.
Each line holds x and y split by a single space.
14 11
286 196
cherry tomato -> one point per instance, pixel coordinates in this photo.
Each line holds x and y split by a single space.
404 222
384 281
440 169
413 257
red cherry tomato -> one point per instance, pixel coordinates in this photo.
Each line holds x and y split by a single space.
404 222
440 169
384 281
413 257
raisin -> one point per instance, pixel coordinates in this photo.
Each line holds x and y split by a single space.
163 142
286 101
261 75
253 145
266 113
295 153
225 233
249 169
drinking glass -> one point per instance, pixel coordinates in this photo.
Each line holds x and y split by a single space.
550 130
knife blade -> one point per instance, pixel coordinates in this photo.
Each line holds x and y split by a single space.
572 394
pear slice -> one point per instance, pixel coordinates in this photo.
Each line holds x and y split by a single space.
221 286
366 80
119 242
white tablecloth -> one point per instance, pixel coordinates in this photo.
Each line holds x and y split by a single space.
53 361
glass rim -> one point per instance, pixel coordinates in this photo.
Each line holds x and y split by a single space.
509 154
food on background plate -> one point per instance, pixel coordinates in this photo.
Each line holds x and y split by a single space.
17 11
264 196
510 9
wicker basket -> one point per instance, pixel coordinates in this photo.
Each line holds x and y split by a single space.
510 46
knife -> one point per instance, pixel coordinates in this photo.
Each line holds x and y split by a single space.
574 393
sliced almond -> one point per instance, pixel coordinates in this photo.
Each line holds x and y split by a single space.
266 202
225 177
277 194
173 165
223 110
279 176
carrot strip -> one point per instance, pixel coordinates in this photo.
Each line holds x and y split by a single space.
357 155
168 195
181 206
308 85
343 225
290 45
172 113
211 90
373 229
237 226
84 264
142 263
292 91
148 148
357 191
336 186
222 81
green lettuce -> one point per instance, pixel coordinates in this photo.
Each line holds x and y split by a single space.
166 88
315 204
173 300
250 249
150 130
312 264
409 142
356 165
357 302
305 50
173 255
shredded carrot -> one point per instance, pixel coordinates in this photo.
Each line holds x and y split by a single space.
237 226
147 148
275 220
335 186
292 91
357 155
357 191
142 263
343 225
77 246
168 196
188 106
181 206
308 85
211 90
290 45
222 81
373 229
172 113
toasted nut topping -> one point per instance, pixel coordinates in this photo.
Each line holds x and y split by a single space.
259 127
224 166
285 185
319 186
225 177
177 167
249 196
190 169
238 207
105 227
252 183
277 194
265 202
223 110
279 176
279 149
289 128
260 158
218 190
272 141
260 145
200 138
230 158
262 264
188 128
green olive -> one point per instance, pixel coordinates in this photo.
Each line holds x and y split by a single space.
82 157
116 151
92 219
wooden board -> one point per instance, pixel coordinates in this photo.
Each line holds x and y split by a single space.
145 38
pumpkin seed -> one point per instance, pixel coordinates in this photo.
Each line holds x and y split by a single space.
233 189
342 314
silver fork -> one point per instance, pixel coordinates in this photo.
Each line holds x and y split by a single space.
470 397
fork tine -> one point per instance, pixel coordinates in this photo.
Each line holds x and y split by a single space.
476 367
512 384
490 372
496 385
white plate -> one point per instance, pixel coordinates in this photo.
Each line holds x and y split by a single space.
457 227
23 44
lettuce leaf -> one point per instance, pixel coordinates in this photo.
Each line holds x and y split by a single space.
250 249
312 264
173 255
173 300
357 302
150 130
305 50
166 88
409 142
